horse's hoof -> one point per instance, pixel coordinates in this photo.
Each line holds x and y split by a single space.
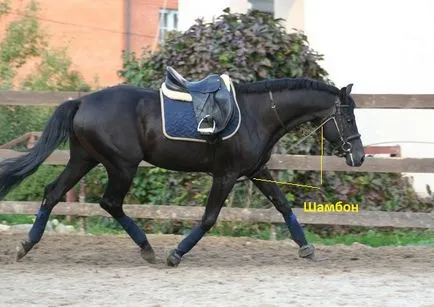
173 259
22 249
307 251
148 254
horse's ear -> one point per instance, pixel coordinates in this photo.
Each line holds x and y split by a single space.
345 91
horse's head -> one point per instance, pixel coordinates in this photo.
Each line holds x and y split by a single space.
341 130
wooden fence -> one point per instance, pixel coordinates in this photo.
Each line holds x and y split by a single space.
367 101
277 162
248 215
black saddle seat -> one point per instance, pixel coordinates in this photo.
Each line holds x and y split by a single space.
175 81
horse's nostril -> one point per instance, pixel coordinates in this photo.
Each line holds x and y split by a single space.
362 159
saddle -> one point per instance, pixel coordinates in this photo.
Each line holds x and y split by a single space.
212 98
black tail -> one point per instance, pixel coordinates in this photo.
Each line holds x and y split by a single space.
57 131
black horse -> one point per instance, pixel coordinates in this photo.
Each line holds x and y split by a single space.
121 126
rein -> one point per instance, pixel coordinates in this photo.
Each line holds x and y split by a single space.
345 142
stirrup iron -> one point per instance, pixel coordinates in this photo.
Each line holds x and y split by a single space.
207 130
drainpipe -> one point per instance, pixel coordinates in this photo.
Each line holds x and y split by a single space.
127 19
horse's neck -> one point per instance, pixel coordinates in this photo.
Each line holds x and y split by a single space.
294 108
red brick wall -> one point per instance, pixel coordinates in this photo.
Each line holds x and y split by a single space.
93 31
145 21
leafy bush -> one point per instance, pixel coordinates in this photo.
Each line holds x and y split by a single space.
53 73
248 47
32 188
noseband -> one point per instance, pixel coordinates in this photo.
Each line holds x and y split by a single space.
343 148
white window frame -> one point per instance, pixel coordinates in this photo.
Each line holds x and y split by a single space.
252 7
168 21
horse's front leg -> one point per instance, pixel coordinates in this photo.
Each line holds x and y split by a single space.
220 189
272 191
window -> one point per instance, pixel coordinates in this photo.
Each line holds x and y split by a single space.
168 22
262 5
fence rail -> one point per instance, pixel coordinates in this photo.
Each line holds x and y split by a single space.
294 162
371 101
272 216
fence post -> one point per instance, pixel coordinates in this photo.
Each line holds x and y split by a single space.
249 194
275 174
277 149
82 200
71 197
31 141
231 198
273 234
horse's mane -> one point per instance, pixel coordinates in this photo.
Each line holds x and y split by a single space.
285 84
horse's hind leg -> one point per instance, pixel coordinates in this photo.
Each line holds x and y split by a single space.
78 165
119 181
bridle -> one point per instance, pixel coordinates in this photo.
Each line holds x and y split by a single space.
343 148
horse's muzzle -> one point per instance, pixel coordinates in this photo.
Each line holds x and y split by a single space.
354 159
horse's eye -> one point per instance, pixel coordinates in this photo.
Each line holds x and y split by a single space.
349 120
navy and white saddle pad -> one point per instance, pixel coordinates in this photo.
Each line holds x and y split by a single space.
179 120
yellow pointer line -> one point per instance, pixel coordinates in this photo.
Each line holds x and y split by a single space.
322 152
287 183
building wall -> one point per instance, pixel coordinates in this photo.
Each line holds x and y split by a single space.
94 39
145 22
190 10
383 47
292 11
94 31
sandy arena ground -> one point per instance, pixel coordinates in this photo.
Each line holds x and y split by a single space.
77 270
